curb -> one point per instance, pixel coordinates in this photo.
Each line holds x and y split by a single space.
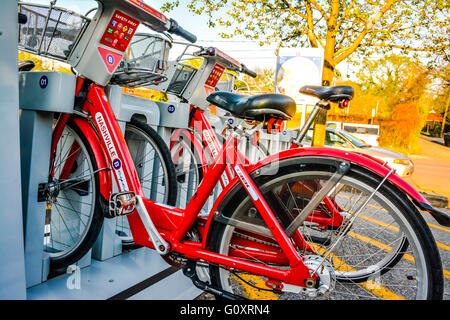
437 200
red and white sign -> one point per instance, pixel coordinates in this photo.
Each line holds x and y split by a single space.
113 156
214 76
119 31
111 59
247 185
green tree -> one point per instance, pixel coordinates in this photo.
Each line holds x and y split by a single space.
396 79
340 27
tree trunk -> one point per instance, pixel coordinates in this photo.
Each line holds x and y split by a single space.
318 139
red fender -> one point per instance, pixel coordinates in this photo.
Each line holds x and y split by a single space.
101 159
360 159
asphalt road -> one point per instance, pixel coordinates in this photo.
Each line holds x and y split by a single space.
431 167
432 175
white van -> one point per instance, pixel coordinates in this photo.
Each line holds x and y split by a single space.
369 133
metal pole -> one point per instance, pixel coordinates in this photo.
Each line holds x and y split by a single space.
445 116
12 260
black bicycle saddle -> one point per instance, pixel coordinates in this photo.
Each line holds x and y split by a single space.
258 107
332 94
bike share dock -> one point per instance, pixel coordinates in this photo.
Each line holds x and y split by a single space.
29 101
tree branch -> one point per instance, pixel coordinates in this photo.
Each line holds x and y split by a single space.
344 15
319 8
294 10
369 24
389 45
311 36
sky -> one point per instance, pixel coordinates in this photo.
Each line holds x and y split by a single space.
245 51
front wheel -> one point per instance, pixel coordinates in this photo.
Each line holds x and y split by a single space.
73 215
388 253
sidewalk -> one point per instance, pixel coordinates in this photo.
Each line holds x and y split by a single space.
431 175
438 199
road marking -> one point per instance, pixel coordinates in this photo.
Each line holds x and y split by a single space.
378 244
443 246
388 248
438 227
447 274
253 293
395 228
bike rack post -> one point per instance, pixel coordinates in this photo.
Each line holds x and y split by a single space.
40 95
12 277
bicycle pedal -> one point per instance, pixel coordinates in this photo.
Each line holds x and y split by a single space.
122 203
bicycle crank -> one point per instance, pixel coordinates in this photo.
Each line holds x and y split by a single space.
161 246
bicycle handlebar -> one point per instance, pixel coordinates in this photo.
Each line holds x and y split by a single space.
179 31
247 71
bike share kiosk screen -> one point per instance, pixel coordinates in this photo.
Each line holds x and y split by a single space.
105 40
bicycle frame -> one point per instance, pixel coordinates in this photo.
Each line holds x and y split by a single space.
200 123
173 223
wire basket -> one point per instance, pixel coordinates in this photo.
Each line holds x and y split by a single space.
50 31
145 63
181 78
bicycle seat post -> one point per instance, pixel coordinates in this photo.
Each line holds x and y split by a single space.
312 116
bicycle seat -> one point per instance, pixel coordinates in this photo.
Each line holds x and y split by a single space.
332 94
258 107
26 65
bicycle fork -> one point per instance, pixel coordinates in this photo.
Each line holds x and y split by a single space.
129 199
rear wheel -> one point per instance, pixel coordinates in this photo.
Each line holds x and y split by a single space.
388 253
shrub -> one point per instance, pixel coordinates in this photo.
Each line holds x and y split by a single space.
403 131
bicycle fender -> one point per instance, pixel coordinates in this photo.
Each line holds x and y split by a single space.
104 173
367 162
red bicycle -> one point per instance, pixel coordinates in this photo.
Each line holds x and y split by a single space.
259 234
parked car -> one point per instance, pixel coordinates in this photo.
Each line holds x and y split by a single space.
369 133
342 140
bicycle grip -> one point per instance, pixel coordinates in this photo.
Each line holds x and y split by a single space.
247 71
179 31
